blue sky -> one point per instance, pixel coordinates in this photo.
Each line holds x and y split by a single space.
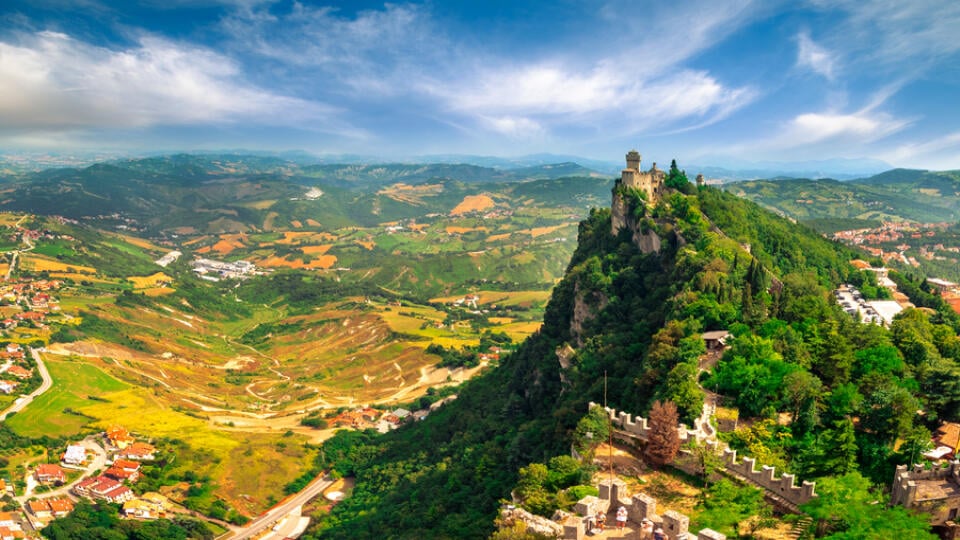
694 80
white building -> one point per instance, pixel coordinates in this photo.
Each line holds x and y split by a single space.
75 455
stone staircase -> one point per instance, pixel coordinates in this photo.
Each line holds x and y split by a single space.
800 529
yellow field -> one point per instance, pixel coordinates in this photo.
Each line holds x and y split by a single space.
146 282
322 262
39 263
473 203
316 250
141 412
368 245
407 324
305 237
9 220
417 227
498 237
540 231
313 223
140 242
410 194
77 277
520 330
461 230
4 267
158 291
296 224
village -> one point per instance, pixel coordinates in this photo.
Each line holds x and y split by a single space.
51 490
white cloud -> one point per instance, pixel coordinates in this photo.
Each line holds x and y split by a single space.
403 52
515 126
51 81
814 57
893 34
940 152
861 126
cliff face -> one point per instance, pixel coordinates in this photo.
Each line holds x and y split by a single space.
622 217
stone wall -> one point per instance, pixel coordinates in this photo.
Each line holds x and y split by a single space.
783 486
944 506
640 506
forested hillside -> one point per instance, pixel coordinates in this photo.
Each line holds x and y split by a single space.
846 394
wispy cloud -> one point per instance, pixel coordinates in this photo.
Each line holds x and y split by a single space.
861 126
814 57
886 34
51 81
930 153
402 51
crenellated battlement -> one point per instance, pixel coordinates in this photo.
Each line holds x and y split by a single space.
783 486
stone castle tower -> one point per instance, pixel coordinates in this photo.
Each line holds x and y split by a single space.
649 182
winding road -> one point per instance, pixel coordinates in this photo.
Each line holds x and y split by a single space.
23 401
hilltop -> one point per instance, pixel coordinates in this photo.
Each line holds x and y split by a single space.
624 325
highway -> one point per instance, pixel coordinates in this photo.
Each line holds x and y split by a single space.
22 402
278 512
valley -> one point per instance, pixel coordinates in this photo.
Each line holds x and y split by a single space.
251 370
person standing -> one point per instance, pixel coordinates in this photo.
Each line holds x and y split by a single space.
621 518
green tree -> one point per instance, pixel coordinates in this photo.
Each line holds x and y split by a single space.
847 508
676 178
592 429
681 388
840 448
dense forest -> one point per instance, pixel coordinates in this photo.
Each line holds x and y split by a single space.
850 391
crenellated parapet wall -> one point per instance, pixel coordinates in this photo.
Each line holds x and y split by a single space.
639 426
783 486
907 480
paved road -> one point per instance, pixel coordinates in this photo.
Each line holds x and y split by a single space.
22 402
289 505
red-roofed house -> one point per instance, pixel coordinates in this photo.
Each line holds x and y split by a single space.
48 473
127 465
119 437
103 488
139 451
60 507
40 508
19 372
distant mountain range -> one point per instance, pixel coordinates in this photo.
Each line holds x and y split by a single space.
721 168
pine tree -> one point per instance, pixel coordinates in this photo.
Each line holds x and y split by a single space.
663 440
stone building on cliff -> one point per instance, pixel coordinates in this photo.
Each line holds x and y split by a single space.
650 184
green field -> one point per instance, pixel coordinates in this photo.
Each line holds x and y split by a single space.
73 382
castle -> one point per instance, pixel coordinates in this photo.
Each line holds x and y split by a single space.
935 491
649 183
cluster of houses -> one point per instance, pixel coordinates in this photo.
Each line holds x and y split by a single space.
14 366
212 270
382 421
113 485
11 526
36 298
